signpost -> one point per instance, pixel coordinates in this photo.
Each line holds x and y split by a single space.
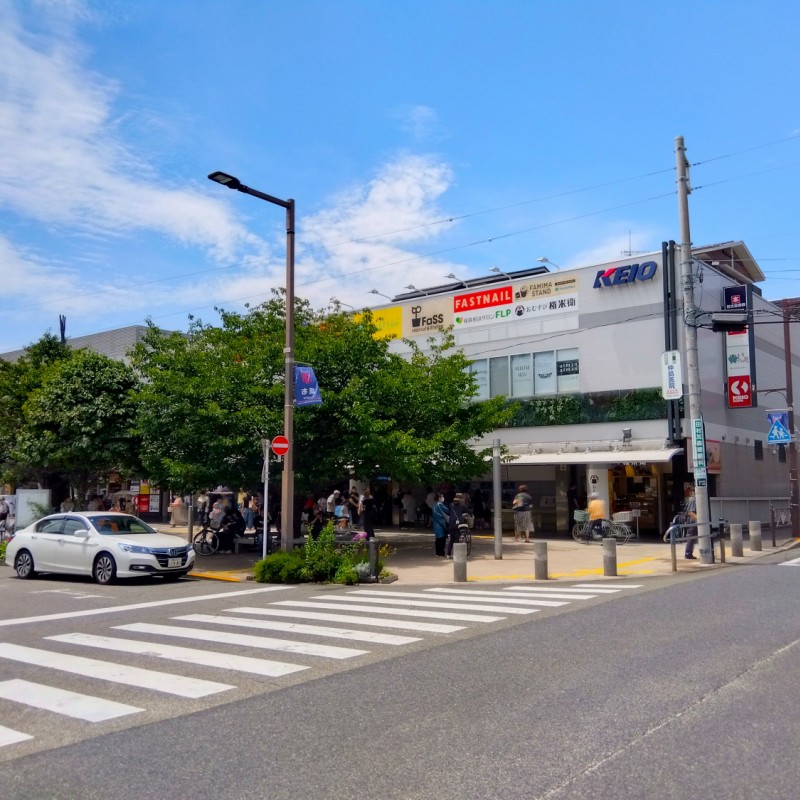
779 427
700 477
280 445
740 392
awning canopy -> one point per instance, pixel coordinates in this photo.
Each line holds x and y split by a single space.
599 457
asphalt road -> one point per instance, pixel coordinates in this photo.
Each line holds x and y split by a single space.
684 687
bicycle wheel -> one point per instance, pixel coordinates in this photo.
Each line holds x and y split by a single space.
579 532
466 537
621 532
206 543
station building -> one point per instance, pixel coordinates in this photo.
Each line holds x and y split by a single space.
591 356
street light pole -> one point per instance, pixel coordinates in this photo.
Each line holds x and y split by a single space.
287 489
794 494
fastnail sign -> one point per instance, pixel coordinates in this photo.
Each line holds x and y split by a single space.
631 273
484 307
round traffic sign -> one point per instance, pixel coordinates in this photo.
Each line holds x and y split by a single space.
280 445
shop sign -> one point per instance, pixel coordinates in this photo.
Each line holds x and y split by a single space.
740 392
671 375
424 317
486 299
388 321
734 298
632 273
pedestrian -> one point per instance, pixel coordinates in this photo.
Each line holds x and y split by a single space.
368 513
410 509
457 510
689 516
332 502
598 513
523 523
202 507
441 517
316 521
353 504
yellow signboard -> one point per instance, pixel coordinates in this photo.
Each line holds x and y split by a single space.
388 321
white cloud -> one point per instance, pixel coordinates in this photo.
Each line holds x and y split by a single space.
617 247
70 164
420 122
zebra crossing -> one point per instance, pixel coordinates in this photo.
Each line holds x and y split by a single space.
295 633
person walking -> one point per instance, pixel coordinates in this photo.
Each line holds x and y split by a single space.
598 512
441 517
523 523
689 516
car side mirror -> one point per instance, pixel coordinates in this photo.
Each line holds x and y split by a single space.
81 533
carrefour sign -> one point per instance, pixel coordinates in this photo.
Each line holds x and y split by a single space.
631 273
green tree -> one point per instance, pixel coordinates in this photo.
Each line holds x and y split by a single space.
206 400
18 380
79 422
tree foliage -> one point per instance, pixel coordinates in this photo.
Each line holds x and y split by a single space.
208 398
78 423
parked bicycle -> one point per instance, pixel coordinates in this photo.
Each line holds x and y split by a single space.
465 523
206 541
611 529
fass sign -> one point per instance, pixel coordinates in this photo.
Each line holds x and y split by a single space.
629 274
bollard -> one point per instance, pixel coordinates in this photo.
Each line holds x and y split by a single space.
372 554
722 541
737 548
540 561
460 562
755 535
610 558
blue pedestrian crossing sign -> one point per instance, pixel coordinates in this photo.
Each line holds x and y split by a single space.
779 427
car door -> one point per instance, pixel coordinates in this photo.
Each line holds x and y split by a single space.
76 553
44 543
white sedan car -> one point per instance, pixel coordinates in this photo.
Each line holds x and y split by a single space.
102 544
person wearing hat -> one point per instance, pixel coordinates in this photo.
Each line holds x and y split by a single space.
332 502
523 522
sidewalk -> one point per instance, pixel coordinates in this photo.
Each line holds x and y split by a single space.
414 563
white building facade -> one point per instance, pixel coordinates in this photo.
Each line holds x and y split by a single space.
589 354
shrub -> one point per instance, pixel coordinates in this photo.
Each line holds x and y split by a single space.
346 574
282 567
322 559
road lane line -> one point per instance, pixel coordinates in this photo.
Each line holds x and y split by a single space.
10 736
116 673
398 612
602 587
411 603
563 594
88 612
204 657
62 701
351 619
480 596
296 627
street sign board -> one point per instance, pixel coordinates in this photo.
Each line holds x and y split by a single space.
671 375
280 445
740 394
779 432
699 452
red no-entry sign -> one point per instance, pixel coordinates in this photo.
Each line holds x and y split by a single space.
280 445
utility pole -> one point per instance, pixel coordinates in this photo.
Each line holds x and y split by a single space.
794 495
692 363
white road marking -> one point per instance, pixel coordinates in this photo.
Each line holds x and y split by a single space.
399 612
557 593
88 612
480 596
602 587
62 701
412 603
116 673
262 642
795 562
352 619
78 595
296 627
10 736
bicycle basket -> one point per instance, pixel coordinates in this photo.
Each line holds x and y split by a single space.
581 516
622 516
467 519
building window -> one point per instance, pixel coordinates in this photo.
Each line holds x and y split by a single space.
527 375
758 450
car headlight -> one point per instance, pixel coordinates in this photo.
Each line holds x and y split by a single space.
134 548
189 549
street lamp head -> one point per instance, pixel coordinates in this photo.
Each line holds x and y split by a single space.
411 287
455 278
375 291
546 260
499 272
225 179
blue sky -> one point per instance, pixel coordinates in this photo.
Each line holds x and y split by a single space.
418 138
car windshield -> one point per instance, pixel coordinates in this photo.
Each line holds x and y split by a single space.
113 525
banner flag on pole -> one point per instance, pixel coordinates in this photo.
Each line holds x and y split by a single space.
306 388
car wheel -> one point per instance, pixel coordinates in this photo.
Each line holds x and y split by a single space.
23 564
105 569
